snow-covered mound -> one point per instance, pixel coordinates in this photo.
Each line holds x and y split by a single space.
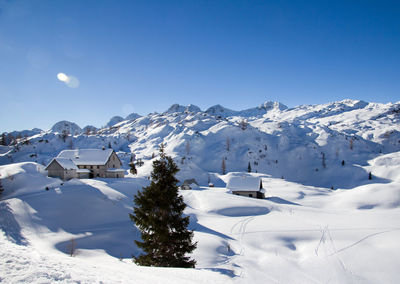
66 127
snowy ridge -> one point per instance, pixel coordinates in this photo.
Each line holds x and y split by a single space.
306 144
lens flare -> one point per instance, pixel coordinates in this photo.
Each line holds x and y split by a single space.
69 80
62 77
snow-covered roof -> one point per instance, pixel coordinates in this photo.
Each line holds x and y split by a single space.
67 164
87 156
115 170
190 182
244 183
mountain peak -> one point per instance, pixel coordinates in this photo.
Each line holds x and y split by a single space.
219 110
184 109
114 120
133 116
66 126
267 105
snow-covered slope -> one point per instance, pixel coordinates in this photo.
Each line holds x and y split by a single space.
320 145
298 234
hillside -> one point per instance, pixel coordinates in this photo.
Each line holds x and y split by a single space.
306 144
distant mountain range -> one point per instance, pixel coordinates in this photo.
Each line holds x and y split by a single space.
305 144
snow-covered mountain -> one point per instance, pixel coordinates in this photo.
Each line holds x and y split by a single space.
323 220
306 144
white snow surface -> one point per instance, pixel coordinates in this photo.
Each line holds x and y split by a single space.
298 234
244 182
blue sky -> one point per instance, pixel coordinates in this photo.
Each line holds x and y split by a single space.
143 56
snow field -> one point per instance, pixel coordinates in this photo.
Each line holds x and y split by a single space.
298 234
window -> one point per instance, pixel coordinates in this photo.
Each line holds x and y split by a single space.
250 195
113 166
98 167
91 167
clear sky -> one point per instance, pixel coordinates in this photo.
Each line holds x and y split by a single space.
143 56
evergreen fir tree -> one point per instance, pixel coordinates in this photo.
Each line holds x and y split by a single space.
1 186
133 168
166 241
249 168
3 140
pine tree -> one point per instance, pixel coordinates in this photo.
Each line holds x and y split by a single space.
133 168
249 168
323 160
3 140
166 241
223 166
1 186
